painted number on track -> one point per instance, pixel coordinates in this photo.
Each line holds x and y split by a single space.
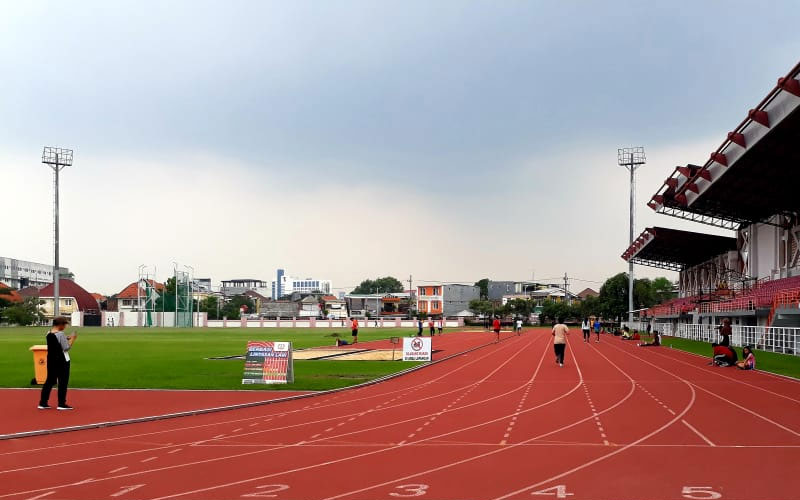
268 490
558 491
700 493
410 490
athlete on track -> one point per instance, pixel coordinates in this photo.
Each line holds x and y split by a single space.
586 329
560 332
496 328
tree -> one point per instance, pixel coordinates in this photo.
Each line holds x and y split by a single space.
519 307
209 305
484 286
481 307
663 290
25 313
646 293
231 308
388 284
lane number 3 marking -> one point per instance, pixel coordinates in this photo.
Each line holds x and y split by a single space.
410 490
700 493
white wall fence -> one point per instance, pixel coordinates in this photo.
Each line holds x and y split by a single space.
785 340
167 319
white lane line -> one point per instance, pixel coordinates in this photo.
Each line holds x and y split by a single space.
148 459
37 497
117 470
176 450
687 424
279 446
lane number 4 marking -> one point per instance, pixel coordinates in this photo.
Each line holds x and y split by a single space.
410 490
700 493
558 491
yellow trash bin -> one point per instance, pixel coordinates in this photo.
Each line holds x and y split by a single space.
39 362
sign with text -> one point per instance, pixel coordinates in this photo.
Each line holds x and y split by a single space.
417 349
268 363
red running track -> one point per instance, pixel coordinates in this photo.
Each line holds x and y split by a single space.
503 421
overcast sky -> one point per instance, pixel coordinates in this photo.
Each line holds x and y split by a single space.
346 140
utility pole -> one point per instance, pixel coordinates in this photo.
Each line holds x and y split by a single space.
566 289
631 158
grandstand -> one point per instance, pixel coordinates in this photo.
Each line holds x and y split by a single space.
748 185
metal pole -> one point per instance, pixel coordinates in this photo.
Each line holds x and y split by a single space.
56 273
631 167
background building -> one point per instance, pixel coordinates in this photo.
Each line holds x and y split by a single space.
72 298
231 288
22 273
445 300
287 285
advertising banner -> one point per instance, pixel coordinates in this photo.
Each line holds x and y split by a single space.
417 349
268 363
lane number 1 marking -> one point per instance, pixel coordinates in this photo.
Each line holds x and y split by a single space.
700 493
269 489
410 490
559 491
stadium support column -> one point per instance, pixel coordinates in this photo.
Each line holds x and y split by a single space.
631 158
57 159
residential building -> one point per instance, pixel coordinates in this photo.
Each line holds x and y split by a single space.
336 308
231 288
9 295
386 305
129 298
72 298
445 300
588 292
310 307
279 309
22 273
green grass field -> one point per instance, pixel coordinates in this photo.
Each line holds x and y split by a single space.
168 358
782 364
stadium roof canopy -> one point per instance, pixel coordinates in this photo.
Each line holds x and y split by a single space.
676 250
752 176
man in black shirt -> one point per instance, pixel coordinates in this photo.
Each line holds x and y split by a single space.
57 364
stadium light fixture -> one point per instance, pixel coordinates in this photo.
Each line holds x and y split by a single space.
57 159
631 158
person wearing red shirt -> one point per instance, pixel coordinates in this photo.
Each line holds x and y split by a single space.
431 327
354 329
496 328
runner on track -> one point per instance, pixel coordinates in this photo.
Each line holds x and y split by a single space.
597 327
560 332
354 329
586 329
519 326
496 328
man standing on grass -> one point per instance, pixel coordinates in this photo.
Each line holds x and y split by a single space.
354 329
57 364
431 327
560 332
496 328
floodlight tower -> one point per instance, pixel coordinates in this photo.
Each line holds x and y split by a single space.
631 158
57 159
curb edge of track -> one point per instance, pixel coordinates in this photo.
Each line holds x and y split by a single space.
238 406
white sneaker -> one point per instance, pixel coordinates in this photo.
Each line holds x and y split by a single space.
561 365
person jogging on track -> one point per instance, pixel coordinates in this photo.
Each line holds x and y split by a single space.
57 364
586 329
354 329
519 326
560 332
496 328
597 327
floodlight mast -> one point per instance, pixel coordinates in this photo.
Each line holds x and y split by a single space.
631 158
57 159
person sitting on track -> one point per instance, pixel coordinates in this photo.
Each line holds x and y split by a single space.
749 361
724 356
340 342
655 343
626 333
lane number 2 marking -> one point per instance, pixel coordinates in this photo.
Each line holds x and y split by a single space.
559 491
410 490
269 489
700 493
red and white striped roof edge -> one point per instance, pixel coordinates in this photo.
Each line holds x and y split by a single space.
690 183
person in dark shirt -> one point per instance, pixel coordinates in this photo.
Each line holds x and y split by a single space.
725 331
58 362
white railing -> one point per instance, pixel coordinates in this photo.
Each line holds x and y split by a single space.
785 340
